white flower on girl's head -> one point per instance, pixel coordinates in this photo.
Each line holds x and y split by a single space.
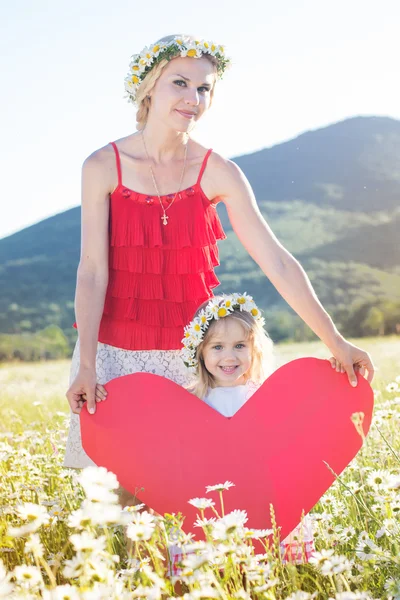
215 309
245 301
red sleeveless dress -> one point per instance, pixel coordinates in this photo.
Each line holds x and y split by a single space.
158 274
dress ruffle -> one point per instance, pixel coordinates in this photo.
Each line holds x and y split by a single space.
158 274
191 224
131 335
123 284
137 259
153 312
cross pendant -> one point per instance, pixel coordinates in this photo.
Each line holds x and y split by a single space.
164 219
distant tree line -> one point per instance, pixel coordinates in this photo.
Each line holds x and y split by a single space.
375 318
361 319
48 344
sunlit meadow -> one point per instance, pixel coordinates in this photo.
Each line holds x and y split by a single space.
63 535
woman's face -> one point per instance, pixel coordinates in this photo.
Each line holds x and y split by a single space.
182 93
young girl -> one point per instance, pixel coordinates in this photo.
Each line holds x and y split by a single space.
231 354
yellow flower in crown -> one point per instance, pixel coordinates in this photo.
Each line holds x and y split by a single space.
215 309
143 62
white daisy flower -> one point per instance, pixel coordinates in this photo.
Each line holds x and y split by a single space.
142 526
201 503
336 565
34 513
345 533
245 302
62 592
34 546
204 522
195 561
195 329
231 523
28 576
204 317
219 487
104 514
259 533
86 542
390 528
366 549
392 586
146 56
205 47
213 48
378 479
98 493
318 558
73 567
392 387
156 49
79 519
138 532
98 476
191 50
213 308
6 587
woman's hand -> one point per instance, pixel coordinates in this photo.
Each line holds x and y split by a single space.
100 393
348 358
335 364
85 389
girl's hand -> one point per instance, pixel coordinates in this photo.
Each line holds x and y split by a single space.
83 389
351 358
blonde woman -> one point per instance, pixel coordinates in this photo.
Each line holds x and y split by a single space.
150 230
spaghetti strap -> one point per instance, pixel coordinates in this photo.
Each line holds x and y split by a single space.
118 161
203 166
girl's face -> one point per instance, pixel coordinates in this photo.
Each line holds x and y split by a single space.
227 353
181 95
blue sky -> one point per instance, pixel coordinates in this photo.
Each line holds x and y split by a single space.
296 66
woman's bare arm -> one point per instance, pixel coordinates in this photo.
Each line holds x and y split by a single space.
92 274
278 264
283 270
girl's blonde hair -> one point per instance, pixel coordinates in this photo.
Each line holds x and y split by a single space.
263 356
143 99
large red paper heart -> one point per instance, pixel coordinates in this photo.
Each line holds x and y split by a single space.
155 435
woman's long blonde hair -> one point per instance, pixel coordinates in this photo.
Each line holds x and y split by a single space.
143 99
263 356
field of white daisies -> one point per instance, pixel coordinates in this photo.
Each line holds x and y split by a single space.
63 535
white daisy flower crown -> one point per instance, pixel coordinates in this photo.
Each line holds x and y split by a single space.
215 309
143 62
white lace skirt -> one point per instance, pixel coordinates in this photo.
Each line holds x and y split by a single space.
112 362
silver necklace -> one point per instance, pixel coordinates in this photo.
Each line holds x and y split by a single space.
164 217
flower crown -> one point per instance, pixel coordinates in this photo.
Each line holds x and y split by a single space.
143 62
215 309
